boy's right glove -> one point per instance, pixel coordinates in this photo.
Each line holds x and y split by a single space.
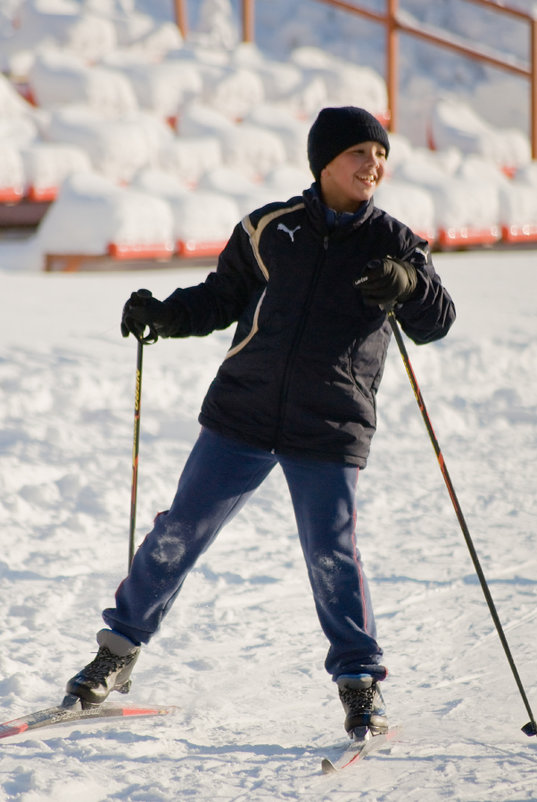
387 281
143 311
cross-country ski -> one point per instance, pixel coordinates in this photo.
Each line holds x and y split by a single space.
358 750
54 716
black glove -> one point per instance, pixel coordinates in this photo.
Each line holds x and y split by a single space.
143 311
387 281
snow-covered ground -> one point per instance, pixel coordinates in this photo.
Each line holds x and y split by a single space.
241 653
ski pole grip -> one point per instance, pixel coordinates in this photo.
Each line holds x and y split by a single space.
152 336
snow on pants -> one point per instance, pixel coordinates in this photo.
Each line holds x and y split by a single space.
219 477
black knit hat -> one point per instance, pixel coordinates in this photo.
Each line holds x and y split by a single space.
337 129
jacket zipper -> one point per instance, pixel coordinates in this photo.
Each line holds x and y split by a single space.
296 341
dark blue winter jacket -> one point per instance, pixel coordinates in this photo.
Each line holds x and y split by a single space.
308 354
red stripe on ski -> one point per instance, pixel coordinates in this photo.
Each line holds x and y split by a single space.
146 711
6 730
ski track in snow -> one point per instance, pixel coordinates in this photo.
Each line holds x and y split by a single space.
241 652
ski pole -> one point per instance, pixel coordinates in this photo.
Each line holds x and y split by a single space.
152 337
135 446
531 727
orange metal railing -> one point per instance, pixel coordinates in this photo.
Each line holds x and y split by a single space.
394 25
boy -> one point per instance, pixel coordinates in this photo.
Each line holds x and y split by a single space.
307 281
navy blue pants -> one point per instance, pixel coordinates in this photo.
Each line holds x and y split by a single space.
219 477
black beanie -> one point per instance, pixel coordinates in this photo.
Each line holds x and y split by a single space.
337 129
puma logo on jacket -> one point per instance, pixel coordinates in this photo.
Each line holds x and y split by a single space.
291 232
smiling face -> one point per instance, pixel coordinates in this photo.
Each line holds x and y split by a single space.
352 177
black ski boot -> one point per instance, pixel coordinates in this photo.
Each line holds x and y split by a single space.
109 671
363 705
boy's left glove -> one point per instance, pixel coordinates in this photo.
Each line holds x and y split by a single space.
387 281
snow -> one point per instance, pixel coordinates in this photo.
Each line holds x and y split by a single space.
454 124
241 653
257 711
90 205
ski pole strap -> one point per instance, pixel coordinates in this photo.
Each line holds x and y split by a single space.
148 339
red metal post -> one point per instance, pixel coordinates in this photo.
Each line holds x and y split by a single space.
392 63
247 20
533 89
180 17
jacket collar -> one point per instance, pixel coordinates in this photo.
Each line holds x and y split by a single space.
327 218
